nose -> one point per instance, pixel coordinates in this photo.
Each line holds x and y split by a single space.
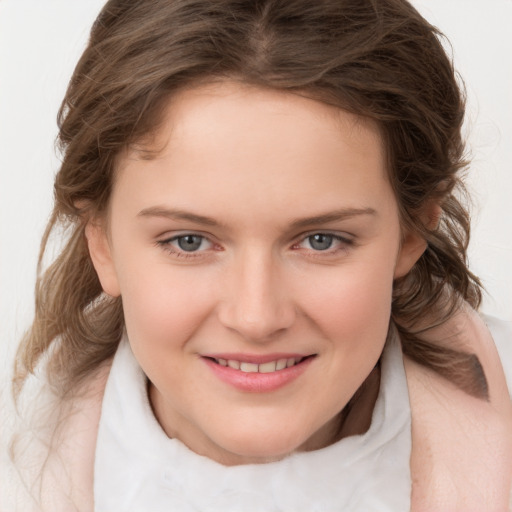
256 301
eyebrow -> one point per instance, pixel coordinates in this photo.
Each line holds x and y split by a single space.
337 215
160 211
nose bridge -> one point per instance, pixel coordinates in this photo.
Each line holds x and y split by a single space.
256 303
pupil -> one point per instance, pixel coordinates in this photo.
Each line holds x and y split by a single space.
190 242
320 242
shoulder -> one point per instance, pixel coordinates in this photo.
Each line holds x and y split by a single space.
77 444
501 331
462 446
54 448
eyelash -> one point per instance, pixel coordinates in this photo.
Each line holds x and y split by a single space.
181 253
343 242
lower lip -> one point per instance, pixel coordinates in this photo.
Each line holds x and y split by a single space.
258 382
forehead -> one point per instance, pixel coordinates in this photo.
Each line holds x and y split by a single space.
228 143
202 108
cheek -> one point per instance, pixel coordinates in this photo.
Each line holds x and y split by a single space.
352 303
163 305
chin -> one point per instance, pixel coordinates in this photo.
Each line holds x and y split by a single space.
259 447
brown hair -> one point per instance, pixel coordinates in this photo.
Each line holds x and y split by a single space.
375 58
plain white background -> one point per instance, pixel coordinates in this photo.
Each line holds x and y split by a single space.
40 42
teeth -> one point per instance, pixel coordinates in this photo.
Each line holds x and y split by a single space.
269 367
249 367
281 364
234 364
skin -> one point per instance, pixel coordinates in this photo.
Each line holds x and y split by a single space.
256 173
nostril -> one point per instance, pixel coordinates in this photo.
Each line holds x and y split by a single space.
255 304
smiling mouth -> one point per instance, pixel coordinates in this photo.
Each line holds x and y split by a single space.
268 367
257 373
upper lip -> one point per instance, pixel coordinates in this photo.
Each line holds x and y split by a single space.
256 358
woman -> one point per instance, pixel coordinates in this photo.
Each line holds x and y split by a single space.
264 222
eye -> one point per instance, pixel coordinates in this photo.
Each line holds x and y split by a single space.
320 241
187 244
324 242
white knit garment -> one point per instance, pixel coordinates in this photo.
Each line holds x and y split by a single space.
138 468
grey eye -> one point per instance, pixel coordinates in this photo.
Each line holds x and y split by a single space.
320 241
189 243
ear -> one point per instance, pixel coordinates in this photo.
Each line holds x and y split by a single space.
413 244
101 256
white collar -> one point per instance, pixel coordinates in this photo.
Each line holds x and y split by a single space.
138 468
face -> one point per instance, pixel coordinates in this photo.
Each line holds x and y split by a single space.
255 256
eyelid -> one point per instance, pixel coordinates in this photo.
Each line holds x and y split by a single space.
170 235
346 240
167 245
344 235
